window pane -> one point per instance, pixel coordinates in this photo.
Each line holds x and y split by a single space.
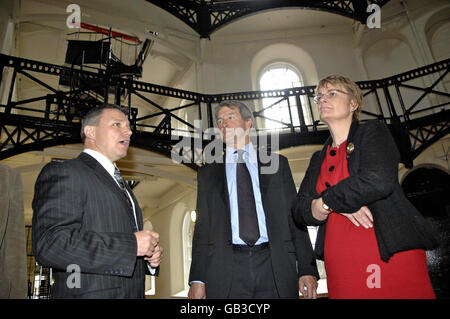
276 110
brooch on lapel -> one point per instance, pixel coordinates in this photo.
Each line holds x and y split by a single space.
350 148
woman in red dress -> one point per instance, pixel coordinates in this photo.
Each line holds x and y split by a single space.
371 237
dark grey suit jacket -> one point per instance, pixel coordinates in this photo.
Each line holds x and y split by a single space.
212 252
82 217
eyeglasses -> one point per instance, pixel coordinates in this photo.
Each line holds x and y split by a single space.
329 95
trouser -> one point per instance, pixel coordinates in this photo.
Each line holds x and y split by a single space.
252 273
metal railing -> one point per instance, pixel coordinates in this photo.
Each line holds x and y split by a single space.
414 103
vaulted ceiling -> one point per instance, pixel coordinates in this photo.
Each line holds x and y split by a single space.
206 16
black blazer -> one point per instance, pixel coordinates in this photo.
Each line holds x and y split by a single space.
212 252
373 182
82 217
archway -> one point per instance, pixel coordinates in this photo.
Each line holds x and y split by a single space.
428 189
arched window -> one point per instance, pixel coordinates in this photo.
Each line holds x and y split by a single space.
278 112
187 235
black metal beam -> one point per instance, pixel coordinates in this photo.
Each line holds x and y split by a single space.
57 119
205 17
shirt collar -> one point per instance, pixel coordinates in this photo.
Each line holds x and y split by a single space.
102 159
231 154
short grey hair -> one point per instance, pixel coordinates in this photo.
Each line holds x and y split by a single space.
92 116
244 110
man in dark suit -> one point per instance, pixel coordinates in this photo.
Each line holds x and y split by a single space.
245 242
87 224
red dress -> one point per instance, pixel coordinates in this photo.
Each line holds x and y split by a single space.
352 261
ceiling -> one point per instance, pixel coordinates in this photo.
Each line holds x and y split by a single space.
206 16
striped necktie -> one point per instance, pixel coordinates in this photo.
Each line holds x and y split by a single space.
122 182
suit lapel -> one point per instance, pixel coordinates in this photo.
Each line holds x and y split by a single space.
221 174
139 220
264 182
110 183
317 165
264 179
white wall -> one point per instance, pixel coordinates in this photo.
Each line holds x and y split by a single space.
168 222
6 27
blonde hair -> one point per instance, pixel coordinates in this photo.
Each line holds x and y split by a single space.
351 87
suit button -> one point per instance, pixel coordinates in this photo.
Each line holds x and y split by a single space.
333 152
327 184
331 168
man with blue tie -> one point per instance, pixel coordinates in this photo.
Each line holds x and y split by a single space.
246 244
